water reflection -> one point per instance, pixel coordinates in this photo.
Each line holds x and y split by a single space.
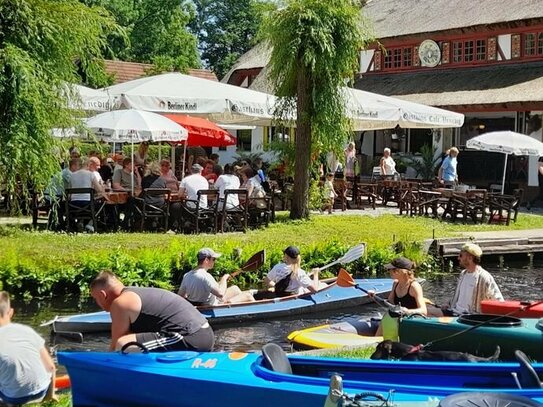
516 281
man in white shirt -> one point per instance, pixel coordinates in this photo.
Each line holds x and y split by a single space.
192 184
84 178
200 288
474 285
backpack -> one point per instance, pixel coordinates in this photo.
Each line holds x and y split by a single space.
281 286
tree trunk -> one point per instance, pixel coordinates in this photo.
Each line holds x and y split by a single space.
300 198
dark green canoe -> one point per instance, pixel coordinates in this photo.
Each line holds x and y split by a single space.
488 331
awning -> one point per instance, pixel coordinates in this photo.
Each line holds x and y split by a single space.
511 86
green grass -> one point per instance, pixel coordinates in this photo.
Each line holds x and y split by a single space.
32 263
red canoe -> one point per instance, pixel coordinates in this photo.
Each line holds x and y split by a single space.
519 309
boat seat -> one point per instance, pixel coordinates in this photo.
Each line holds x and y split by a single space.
276 359
528 377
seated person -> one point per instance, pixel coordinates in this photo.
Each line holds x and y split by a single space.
288 278
474 285
27 371
168 175
124 178
228 180
200 288
406 290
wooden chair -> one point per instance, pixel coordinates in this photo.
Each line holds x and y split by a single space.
47 208
504 207
154 205
234 217
259 211
340 186
80 211
196 218
366 191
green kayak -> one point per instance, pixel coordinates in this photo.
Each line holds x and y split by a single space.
478 334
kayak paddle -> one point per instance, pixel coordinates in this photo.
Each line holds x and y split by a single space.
354 253
254 263
344 279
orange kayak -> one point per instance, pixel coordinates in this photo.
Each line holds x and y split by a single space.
519 309
62 382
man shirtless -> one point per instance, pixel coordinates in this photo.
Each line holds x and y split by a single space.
156 318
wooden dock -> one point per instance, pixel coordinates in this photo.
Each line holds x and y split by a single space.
450 247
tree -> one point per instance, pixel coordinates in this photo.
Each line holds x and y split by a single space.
227 29
43 45
316 44
157 32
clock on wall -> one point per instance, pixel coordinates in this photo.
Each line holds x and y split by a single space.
429 53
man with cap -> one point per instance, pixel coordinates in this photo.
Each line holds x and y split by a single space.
474 285
200 288
190 186
155 318
288 278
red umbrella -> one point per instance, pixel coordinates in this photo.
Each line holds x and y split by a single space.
202 132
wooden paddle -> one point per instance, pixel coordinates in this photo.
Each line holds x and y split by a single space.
254 263
354 253
344 279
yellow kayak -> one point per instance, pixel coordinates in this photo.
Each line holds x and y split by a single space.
336 335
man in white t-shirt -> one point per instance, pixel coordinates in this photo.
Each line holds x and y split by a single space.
27 371
200 288
192 184
474 285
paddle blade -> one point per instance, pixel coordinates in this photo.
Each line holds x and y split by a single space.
354 253
254 263
344 279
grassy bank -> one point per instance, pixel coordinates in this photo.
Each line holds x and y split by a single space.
42 263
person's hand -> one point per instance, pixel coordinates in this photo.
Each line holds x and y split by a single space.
371 293
315 270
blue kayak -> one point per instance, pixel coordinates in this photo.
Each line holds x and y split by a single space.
329 298
193 379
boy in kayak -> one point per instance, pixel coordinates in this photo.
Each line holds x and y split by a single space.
27 371
155 318
474 285
200 288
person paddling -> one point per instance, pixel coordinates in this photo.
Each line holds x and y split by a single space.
200 288
288 278
406 290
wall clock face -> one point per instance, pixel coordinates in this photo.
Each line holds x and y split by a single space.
429 53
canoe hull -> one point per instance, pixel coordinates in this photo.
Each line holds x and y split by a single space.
480 341
238 379
330 298
519 309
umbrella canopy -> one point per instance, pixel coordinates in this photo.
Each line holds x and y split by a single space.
135 126
370 111
84 98
202 132
178 93
506 142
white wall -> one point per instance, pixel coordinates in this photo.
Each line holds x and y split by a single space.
365 59
504 41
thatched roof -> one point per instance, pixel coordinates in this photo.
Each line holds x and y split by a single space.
504 83
256 57
393 18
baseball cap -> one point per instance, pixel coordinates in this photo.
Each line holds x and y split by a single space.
400 263
206 252
473 249
292 252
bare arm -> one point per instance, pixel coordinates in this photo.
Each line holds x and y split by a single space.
121 310
223 285
382 165
49 365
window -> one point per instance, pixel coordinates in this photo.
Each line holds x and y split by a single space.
398 58
468 51
533 44
418 138
244 140
481 50
458 52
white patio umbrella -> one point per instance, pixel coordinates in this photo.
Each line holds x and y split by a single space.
371 111
506 142
136 126
178 93
84 98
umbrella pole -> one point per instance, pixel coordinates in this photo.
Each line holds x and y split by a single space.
133 168
504 171
159 151
184 160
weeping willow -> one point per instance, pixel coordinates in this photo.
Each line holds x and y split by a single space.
316 45
43 45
